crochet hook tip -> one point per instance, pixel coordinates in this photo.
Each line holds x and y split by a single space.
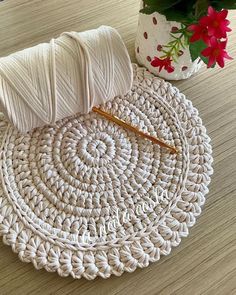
125 125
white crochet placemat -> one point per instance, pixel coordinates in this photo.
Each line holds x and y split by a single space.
87 198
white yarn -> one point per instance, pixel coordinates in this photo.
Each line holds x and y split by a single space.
69 75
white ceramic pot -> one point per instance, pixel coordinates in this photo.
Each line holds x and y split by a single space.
154 32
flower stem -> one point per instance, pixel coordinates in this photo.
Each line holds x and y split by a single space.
173 47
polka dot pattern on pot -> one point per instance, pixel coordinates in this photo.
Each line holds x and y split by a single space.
154 34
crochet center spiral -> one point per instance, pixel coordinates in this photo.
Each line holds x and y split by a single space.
86 198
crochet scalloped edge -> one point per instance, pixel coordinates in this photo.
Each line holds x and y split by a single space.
139 253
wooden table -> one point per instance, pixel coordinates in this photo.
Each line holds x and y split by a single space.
205 262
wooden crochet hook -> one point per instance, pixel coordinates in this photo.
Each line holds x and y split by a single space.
134 129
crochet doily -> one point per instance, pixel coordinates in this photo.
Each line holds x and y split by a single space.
84 197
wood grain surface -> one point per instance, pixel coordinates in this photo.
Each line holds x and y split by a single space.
205 262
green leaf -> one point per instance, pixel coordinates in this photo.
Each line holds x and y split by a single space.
160 4
204 59
178 16
224 4
201 8
196 48
189 6
148 10
175 10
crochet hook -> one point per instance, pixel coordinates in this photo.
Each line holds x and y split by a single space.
134 129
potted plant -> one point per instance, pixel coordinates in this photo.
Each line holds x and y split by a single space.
176 37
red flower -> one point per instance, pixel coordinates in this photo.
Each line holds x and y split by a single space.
216 22
163 63
216 52
200 32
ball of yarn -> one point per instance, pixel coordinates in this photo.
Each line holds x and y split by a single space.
68 75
